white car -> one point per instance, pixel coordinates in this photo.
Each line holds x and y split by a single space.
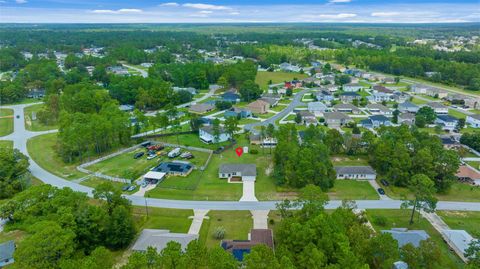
151 157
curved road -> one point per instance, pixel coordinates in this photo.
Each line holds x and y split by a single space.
21 135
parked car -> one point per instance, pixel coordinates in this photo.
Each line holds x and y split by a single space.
384 182
186 154
381 191
131 188
138 155
150 157
18 116
146 144
156 147
125 188
174 153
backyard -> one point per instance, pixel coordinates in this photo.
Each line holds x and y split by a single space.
237 225
263 77
399 218
6 121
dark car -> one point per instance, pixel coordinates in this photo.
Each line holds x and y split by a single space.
381 191
146 144
138 155
18 116
125 188
384 182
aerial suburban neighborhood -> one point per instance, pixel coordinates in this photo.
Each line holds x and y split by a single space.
170 136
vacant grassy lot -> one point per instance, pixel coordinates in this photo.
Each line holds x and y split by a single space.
93 182
462 220
237 225
175 220
352 190
456 114
191 140
400 219
6 121
263 77
35 125
6 144
344 160
42 150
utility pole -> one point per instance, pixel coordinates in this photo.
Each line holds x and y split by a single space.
146 205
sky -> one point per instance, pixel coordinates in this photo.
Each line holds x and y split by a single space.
231 11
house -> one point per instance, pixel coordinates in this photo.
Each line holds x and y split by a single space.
419 88
380 88
272 95
447 122
388 80
400 97
36 93
437 93
307 117
473 120
230 97
467 174
146 65
240 171
238 112
191 90
331 87
471 102
159 239
317 108
348 97
271 101
153 177
408 107
438 107
214 87
6 253
449 142
324 95
293 84
355 172
405 236
201 108
175 168
347 108
259 106
379 97
126 108
286 67
376 121
352 87
378 109
239 248
400 265
336 119
207 135
266 142
406 118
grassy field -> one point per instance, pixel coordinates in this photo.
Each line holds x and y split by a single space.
175 220
453 89
461 220
352 190
6 144
42 150
400 219
418 101
191 140
6 121
263 77
237 225
456 114
35 125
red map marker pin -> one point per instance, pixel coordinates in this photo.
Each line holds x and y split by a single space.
239 151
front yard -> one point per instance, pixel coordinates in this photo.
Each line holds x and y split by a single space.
6 121
352 190
237 225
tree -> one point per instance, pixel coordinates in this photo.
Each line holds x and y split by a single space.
460 124
231 126
270 132
261 257
342 79
218 258
46 248
473 254
14 172
289 92
250 91
423 189
120 229
396 112
426 113
382 251
298 118
428 255
216 130
334 141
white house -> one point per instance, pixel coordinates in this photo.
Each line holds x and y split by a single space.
352 87
317 108
207 135
245 172
473 120
438 107
447 122
355 172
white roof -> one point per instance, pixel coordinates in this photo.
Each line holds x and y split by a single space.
460 238
154 175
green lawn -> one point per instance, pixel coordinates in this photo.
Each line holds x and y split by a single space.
458 192
6 144
456 114
352 190
285 101
475 165
6 121
35 125
266 115
462 220
290 117
400 219
278 108
263 77
175 220
237 225
247 121
418 101
42 150
93 182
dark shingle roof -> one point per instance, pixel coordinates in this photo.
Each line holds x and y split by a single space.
354 170
245 169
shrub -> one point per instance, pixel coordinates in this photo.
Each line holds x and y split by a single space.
254 151
380 220
219 233
271 221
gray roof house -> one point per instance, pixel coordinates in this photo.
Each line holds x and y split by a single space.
408 107
307 117
246 172
159 239
355 172
405 236
438 107
336 119
6 253
201 108
447 122
376 121
379 109
347 108
406 118
317 108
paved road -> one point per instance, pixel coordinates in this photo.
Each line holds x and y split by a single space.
142 72
297 101
21 135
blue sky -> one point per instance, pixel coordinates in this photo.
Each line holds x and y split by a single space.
148 11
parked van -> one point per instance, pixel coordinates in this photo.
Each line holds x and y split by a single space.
174 153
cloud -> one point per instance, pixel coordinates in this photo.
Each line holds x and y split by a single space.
206 6
206 12
234 13
119 11
169 4
385 14
340 1
20 1
331 16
